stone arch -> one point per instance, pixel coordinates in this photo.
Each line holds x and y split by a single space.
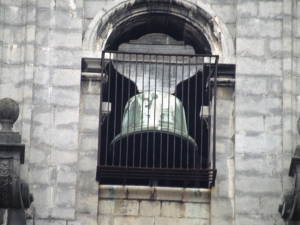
197 25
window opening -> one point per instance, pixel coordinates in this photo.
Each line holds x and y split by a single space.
158 129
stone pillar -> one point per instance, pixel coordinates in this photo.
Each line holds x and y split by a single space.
222 194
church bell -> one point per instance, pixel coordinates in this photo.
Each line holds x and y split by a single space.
154 134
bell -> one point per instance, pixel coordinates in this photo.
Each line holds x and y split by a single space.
154 134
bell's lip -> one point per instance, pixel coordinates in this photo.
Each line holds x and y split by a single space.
152 130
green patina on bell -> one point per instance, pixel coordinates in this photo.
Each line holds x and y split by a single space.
154 134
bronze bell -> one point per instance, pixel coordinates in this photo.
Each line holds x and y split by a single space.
154 134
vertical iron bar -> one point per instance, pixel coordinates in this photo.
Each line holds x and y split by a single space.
128 97
183 111
175 124
108 116
162 103
168 135
202 122
147 139
100 114
154 149
115 107
121 114
142 117
215 110
134 118
209 109
188 112
195 111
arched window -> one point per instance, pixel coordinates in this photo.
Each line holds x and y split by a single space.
150 50
157 128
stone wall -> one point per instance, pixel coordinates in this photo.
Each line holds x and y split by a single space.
87 187
153 205
40 67
264 113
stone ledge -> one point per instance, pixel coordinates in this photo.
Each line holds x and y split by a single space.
155 193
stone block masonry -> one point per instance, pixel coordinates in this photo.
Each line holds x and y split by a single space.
152 206
40 67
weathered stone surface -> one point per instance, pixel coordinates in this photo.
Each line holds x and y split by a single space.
225 12
254 27
154 206
172 209
64 197
66 58
165 193
248 204
66 176
49 222
64 136
41 196
66 116
89 219
65 20
43 17
42 37
196 195
63 155
258 105
89 123
66 77
88 142
179 221
62 96
258 143
262 164
87 202
90 105
41 156
87 161
126 207
43 114
270 9
257 219
106 207
263 66
67 39
258 184
90 87
39 175
42 56
87 187
196 210
106 220
142 192
91 8
250 46
42 76
63 213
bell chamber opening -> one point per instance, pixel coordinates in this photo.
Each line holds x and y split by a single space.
156 115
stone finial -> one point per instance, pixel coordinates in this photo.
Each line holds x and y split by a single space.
9 113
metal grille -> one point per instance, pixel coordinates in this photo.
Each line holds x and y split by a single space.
156 119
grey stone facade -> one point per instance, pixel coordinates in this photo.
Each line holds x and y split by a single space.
41 46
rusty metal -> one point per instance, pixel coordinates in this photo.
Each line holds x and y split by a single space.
155 131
